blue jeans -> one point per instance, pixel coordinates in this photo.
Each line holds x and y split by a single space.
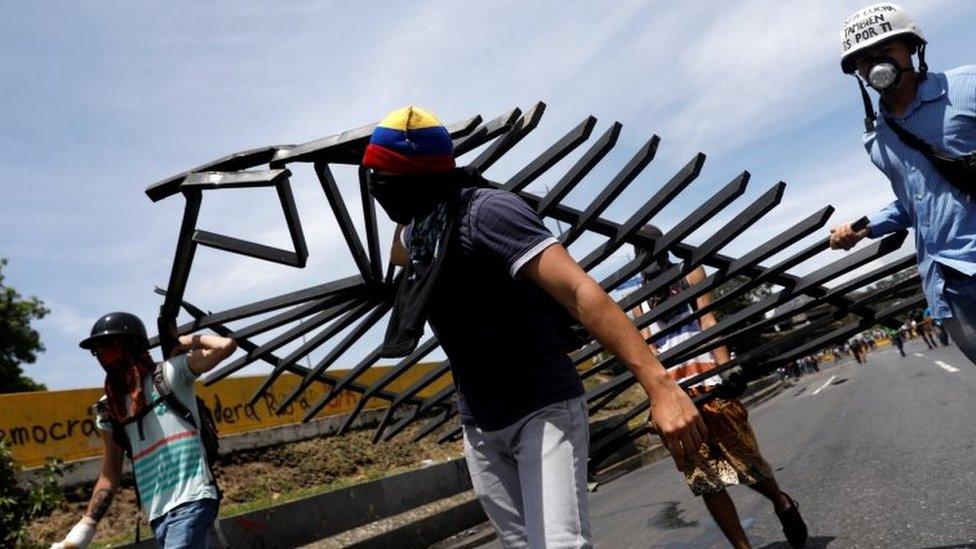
960 293
186 525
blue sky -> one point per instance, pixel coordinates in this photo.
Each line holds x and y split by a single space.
102 99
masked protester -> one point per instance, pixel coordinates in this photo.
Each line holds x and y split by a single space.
731 456
924 140
498 289
175 486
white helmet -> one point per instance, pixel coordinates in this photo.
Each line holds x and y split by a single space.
868 26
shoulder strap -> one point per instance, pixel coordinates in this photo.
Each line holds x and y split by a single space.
167 395
913 140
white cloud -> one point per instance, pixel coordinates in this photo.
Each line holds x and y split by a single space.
67 320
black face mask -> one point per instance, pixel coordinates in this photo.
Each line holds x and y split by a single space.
407 198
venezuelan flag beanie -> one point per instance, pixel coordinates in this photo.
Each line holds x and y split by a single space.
410 141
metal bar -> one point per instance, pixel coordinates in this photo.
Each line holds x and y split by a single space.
769 248
406 363
693 345
366 363
434 424
248 248
291 315
293 222
625 380
745 219
349 313
350 285
648 210
580 169
852 261
372 230
624 177
368 322
419 411
283 339
451 436
522 127
844 288
179 274
346 225
233 162
608 228
686 226
486 132
602 448
249 346
411 392
565 145
210 180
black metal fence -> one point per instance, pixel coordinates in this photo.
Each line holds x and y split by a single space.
352 305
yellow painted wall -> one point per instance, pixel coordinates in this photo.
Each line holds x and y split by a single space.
61 424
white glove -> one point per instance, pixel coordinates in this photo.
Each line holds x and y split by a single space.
79 537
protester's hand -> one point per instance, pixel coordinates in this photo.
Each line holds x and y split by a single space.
678 423
844 237
79 537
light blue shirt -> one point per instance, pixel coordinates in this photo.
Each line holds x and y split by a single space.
944 218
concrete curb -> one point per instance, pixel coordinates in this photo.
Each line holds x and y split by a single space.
319 517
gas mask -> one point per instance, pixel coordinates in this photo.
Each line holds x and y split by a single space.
885 74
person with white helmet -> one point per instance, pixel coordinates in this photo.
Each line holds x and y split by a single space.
924 140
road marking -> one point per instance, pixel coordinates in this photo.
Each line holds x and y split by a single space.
918 354
824 386
947 367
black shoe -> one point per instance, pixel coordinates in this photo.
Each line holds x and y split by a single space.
793 526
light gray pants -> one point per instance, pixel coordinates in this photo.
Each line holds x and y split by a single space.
960 293
530 477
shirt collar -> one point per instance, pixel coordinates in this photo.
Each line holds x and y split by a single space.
929 89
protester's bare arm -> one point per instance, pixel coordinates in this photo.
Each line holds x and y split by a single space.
707 320
108 482
205 351
675 416
398 254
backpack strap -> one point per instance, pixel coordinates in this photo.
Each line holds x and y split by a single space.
167 395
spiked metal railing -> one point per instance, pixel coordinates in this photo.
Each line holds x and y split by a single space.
355 304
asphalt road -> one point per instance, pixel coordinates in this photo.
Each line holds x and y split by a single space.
876 455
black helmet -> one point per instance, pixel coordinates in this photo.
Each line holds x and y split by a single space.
117 324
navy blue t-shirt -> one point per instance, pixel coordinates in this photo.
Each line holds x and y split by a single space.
496 328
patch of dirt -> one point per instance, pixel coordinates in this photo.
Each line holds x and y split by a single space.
264 474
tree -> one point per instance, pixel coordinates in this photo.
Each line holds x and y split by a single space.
19 342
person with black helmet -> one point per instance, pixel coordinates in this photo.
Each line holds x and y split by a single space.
924 140
174 484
